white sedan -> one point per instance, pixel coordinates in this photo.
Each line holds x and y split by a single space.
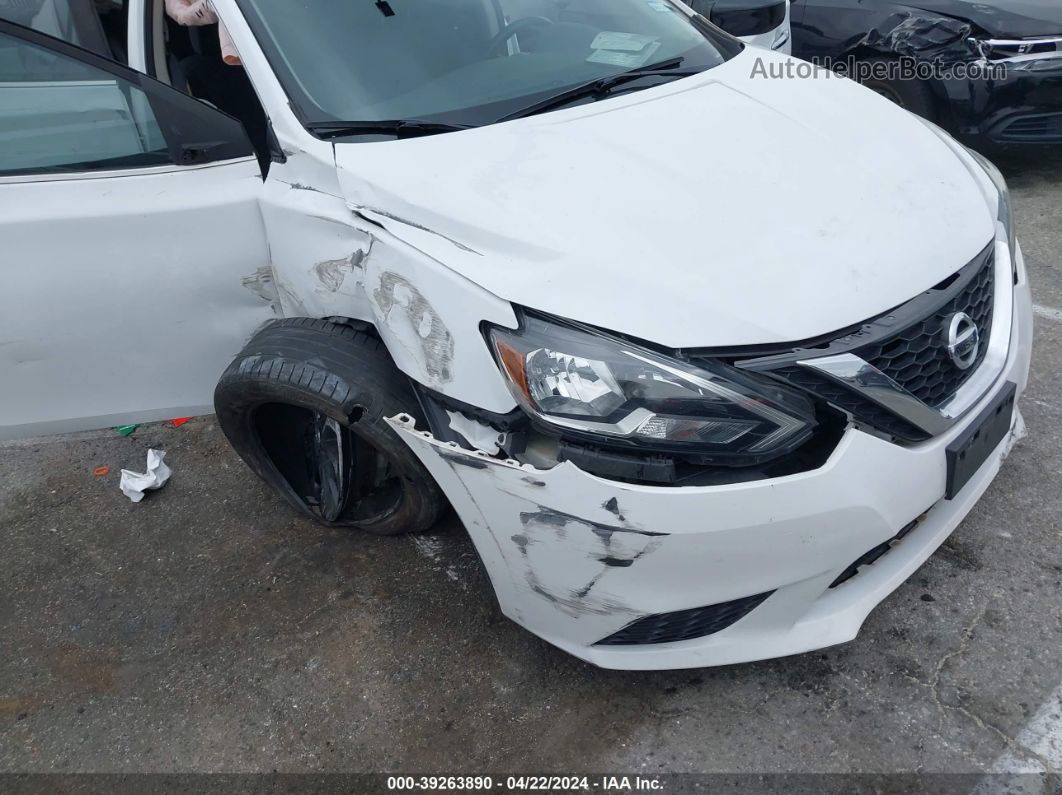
707 363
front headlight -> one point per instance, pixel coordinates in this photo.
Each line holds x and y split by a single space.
1006 213
591 384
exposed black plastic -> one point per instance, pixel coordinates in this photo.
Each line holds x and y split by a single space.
610 464
681 625
435 405
875 554
515 420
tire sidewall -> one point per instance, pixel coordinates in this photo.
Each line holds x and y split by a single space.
360 407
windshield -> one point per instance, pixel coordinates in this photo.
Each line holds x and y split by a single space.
465 62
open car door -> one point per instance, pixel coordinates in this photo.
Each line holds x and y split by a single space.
128 219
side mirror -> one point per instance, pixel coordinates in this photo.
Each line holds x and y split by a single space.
748 17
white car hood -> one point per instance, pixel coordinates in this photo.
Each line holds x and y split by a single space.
723 209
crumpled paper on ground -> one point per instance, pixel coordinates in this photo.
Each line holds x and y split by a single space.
134 484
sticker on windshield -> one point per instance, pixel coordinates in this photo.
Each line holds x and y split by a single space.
625 60
660 5
624 42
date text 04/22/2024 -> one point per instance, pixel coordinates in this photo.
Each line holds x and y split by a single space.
525 783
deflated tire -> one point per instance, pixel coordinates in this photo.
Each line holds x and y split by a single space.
304 405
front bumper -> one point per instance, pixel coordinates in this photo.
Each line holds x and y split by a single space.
575 558
1023 108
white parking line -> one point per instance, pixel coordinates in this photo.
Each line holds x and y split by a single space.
1037 750
1047 312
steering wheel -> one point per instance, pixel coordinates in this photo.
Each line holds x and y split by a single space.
513 29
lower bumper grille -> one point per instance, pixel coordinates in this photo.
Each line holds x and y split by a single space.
1040 128
685 624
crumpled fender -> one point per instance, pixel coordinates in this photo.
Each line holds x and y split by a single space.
888 29
919 34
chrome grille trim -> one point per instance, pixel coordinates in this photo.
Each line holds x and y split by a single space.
861 376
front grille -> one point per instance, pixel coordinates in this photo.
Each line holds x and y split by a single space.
1030 128
909 345
685 624
917 357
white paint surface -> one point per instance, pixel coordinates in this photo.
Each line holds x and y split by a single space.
720 209
122 295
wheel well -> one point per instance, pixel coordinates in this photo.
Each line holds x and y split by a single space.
364 326
937 93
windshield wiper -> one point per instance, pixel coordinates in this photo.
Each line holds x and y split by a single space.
603 85
400 128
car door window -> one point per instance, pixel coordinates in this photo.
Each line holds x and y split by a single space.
59 114
97 25
78 241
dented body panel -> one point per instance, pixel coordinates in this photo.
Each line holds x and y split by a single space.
715 210
950 32
575 558
317 250
430 318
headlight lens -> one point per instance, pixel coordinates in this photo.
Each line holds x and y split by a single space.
593 384
1006 213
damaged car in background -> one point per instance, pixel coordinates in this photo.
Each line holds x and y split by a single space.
519 265
1009 91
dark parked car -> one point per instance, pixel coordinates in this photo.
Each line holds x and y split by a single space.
1020 103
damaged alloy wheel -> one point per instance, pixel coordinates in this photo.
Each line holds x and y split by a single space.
304 406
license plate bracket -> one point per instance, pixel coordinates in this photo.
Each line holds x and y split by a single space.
969 451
